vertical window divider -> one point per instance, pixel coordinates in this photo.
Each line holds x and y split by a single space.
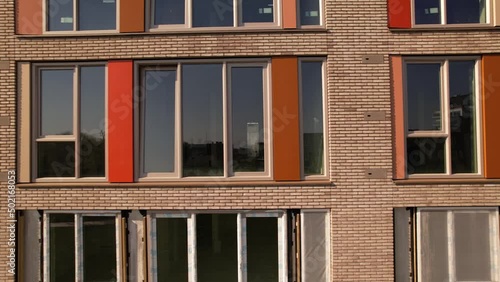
226 116
142 122
494 222
451 246
478 113
76 118
237 13
192 253
75 13
46 249
189 13
443 12
282 248
445 120
118 247
178 123
151 247
78 248
242 248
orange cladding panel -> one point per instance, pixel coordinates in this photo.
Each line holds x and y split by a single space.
132 15
286 134
399 160
120 121
289 14
399 13
29 17
491 114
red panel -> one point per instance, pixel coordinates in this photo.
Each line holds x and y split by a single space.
399 151
29 17
399 13
120 121
491 115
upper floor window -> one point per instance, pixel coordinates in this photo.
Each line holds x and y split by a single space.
442 117
73 15
70 132
310 12
436 12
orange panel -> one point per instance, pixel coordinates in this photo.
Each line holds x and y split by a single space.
29 17
120 121
491 115
399 13
289 14
132 16
286 135
398 118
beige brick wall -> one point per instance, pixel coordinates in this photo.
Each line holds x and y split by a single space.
362 240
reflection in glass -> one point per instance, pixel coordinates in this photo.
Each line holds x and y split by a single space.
159 120
434 246
312 117
209 13
462 116
310 12
314 248
96 14
248 118
99 248
92 123
56 102
427 11
169 12
202 132
56 159
257 11
62 247
60 15
425 155
465 11
216 245
423 83
172 250
262 249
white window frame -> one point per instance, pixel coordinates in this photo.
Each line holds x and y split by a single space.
228 173
241 240
75 137
78 215
326 167
237 18
443 23
45 23
445 131
494 239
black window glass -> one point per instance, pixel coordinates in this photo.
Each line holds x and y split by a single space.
209 13
97 14
309 12
169 12
425 155
427 11
257 11
56 159
60 15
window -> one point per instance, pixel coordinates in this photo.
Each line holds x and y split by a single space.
312 117
310 12
70 136
436 12
204 120
442 117
214 13
72 15
82 247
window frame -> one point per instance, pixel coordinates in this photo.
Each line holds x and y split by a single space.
37 137
78 215
445 131
281 216
229 175
443 24
326 163
322 19
45 23
494 238
188 19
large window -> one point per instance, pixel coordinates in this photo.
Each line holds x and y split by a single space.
82 247
70 136
213 13
204 119
452 12
442 117
72 15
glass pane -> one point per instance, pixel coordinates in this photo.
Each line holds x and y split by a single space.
248 118
465 11
159 120
56 159
257 11
312 117
427 11
92 123
62 247
434 245
56 102
425 155
99 248
207 13
462 116
310 12
60 15
172 250
169 11
262 249
472 246
96 14
216 246
423 83
314 249
202 132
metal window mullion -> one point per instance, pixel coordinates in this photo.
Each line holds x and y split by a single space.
237 13
226 115
451 247
178 123
494 241
79 247
192 271
282 248
267 118
76 119
154 250
118 246
443 12
75 13
478 116
418 245
142 123
189 13
242 247
46 249
445 119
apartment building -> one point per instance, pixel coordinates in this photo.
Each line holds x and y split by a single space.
269 140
